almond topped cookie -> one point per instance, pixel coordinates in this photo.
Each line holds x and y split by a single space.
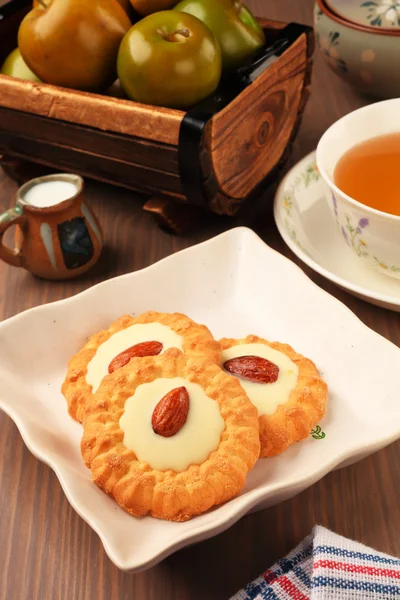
149 334
170 436
284 386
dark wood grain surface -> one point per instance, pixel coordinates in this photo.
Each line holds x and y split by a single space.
48 553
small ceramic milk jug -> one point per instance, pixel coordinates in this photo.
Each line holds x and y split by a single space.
57 234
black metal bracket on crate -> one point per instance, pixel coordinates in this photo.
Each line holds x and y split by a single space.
196 119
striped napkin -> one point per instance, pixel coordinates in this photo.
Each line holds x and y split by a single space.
327 566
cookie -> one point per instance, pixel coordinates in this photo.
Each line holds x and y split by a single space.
170 436
150 333
285 387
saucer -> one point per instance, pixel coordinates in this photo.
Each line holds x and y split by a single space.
305 222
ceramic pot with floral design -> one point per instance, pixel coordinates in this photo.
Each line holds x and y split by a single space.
360 41
57 234
374 236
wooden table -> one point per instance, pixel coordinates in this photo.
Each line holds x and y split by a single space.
48 553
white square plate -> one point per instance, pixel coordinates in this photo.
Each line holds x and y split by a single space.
236 285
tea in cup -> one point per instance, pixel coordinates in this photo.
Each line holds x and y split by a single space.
359 159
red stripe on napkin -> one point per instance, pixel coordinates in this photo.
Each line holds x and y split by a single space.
291 589
351 568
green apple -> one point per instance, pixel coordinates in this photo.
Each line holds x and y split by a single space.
15 66
238 32
169 59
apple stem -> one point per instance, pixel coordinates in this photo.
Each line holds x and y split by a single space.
176 36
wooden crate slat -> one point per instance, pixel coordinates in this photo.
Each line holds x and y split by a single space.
102 112
77 161
152 155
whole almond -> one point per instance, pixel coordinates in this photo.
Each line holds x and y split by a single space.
170 414
253 368
139 350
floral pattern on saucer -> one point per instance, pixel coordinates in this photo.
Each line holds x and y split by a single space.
307 176
303 181
293 234
383 13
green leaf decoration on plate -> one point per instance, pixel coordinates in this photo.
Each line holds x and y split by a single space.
317 433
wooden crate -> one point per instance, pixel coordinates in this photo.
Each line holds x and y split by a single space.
214 157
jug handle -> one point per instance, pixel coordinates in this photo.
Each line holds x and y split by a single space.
9 218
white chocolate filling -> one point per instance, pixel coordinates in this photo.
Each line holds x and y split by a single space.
193 443
122 340
266 396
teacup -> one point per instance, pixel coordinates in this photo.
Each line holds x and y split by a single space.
374 236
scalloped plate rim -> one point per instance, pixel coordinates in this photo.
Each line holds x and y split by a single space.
199 535
238 507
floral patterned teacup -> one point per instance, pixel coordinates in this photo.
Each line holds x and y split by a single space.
374 236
